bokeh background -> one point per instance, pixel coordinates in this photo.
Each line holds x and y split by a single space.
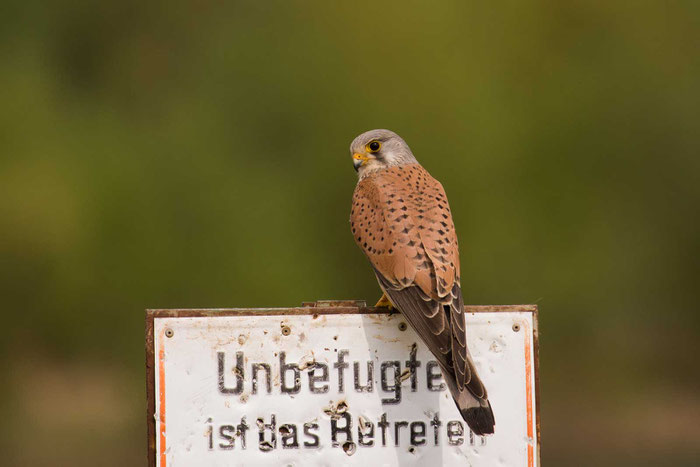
195 154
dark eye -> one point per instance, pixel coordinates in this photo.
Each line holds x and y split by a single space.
374 146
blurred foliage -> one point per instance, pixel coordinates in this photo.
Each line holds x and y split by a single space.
195 154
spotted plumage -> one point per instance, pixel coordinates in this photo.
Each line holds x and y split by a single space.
401 219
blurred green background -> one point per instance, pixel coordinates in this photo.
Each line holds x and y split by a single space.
195 154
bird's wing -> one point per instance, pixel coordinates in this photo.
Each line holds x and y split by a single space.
401 219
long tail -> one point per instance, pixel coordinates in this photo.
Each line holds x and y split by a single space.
422 313
475 411
480 419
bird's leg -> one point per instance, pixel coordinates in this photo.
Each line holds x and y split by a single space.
384 301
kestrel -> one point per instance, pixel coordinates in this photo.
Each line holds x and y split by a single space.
402 221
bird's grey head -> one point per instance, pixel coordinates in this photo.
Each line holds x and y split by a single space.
378 149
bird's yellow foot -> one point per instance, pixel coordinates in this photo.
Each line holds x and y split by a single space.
384 301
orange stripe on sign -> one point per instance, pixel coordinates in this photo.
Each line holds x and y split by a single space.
161 397
528 394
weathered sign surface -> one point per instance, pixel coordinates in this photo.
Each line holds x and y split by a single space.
332 386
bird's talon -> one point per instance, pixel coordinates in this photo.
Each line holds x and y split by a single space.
384 302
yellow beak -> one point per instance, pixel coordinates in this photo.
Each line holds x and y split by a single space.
358 160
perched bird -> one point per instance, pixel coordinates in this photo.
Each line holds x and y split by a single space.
401 220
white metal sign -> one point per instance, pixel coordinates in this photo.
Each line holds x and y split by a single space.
268 388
